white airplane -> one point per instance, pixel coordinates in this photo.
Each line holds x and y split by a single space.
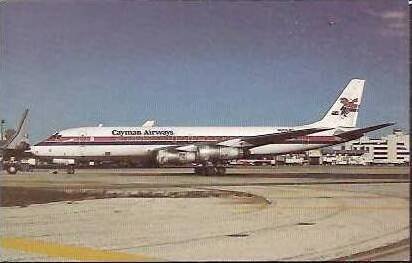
210 147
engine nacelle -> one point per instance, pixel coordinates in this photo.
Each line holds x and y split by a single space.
213 153
168 157
203 153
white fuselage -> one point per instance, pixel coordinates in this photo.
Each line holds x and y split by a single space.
201 144
139 142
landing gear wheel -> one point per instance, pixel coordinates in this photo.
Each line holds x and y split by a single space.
221 170
70 170
211 170
12 169
198 170
203 171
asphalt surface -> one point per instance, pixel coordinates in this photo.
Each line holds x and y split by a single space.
170 214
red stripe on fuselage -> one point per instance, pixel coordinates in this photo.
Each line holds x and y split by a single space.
188 139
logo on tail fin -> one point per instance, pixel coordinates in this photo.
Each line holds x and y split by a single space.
347 106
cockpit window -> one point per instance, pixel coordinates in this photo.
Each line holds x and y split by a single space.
55 136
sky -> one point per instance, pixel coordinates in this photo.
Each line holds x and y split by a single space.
200 63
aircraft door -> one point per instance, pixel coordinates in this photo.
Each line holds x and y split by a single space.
305 140
82 141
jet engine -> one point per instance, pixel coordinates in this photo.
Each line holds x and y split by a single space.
203 153
169 157
214 153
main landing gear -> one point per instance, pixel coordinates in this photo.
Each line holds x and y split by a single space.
210 169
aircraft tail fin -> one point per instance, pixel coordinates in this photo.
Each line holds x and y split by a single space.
344 112
20 139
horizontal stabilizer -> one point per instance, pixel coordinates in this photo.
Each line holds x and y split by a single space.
360 132
279 137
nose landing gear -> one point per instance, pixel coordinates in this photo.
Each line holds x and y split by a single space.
11 169
11 166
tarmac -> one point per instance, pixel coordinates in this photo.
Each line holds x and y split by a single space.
173 215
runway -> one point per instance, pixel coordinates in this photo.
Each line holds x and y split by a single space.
140 215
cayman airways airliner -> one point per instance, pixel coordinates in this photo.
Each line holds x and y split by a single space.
209 147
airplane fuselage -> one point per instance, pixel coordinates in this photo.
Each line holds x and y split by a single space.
139 142
210 147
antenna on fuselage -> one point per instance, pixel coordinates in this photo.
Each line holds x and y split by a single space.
149 123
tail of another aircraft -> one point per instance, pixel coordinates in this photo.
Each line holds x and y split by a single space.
19 140
344 112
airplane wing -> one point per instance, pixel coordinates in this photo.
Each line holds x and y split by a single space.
354 134
271 138
251 141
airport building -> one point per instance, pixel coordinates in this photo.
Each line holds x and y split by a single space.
392 149
389 149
